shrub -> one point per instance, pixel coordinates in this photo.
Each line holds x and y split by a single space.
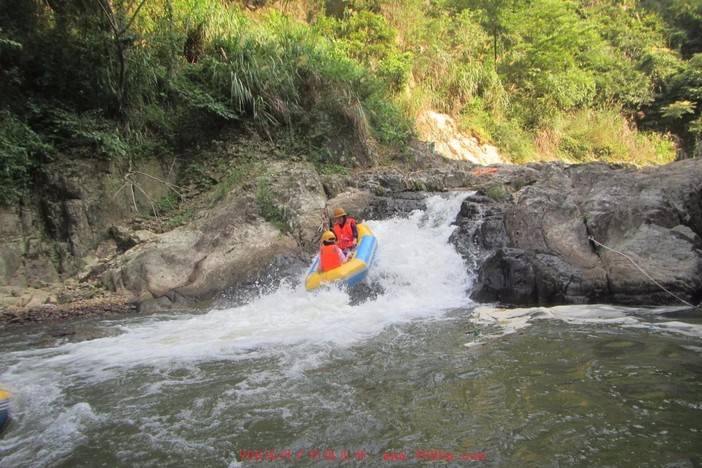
497 192
21 151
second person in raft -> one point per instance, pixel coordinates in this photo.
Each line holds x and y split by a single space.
344 227
330 255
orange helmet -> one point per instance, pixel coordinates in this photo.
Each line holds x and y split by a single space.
339 212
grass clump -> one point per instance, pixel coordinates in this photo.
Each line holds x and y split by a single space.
605 136
497 192
236 175
180 218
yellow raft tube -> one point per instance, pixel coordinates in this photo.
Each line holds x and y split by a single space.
4 408
354 270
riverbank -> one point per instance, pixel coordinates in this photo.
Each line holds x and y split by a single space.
106 306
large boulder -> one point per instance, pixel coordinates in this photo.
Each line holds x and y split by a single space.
273 216
544 253
291 195
530 277
480 229
200 260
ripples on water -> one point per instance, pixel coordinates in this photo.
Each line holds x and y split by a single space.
416 368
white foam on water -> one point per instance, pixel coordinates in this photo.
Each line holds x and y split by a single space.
421 274
508 321
57 439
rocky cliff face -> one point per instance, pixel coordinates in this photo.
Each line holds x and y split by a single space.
64 227
533 245
526 231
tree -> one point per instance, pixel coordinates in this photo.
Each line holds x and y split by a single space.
496 15
120 18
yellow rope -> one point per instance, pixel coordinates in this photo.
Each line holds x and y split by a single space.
641 270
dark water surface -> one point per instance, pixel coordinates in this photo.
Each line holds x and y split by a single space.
551 394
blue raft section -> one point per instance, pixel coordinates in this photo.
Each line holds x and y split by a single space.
365 253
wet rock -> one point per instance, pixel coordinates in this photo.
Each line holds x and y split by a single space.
286 269
11 316
397 204
651 215
480 229
364 292
526 277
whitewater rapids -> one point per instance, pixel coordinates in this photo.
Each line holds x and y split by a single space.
421 275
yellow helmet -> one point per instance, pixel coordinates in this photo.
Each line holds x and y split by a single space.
327 236
339 212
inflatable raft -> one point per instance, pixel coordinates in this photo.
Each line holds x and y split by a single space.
354 270
4 408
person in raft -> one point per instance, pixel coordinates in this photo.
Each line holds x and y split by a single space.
345 229
330 255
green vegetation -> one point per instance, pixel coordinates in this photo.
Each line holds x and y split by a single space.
497 192
20 149
577 80
179 218
168 203
234 177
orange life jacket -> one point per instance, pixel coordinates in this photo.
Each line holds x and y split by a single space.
344 234
330 257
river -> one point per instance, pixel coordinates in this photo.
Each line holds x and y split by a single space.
415 373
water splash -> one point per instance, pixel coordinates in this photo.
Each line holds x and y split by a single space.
422 277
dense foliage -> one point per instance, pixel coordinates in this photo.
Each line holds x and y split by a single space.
612 80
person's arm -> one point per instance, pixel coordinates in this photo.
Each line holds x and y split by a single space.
341 255
354 229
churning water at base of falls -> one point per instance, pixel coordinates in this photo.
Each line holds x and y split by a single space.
415 369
